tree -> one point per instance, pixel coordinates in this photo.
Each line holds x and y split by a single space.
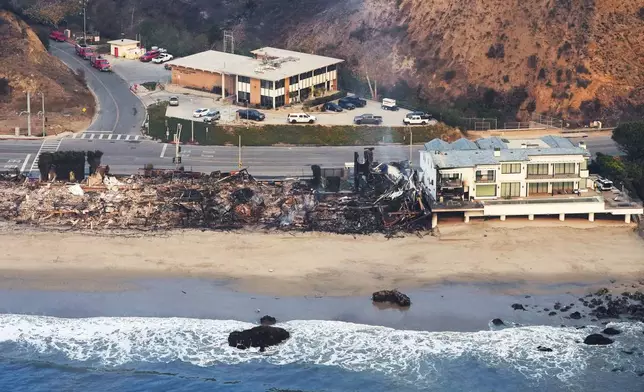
52 11
630 138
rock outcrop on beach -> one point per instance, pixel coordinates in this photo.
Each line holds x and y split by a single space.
611 331
391 296
498 322
262 336
268 320
518 307
597 340
544 349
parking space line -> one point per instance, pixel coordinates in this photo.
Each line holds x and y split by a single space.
24 164
119 137
92 136
165 146
101 136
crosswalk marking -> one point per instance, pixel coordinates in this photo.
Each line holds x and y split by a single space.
103 136
48 145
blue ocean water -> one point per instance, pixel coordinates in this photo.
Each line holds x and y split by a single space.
127 354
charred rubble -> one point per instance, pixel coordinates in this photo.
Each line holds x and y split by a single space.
384 197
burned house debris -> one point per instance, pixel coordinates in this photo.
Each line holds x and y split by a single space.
387 197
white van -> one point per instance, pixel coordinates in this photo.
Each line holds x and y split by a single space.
300 118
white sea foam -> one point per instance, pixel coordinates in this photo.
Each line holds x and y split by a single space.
408 354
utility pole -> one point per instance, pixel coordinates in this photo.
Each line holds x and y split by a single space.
42 96
411 140
177 147
84 22
28 114
239 160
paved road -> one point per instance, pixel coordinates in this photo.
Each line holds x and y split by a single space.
120 112
127 156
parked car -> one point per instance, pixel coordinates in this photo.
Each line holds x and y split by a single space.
57 36
174 101
389 104
331 107
423 115
200 112
418 120
300 118
149 56
251 114
163 57
100 63
603 184
367 119
211 116
345 104
358 102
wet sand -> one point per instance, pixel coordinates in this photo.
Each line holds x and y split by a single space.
325 264
444 307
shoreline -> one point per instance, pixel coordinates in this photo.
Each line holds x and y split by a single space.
287 263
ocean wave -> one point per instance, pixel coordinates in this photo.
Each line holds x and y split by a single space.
410 355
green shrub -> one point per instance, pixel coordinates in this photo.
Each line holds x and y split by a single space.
151 86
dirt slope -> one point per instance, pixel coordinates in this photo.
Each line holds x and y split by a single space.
580 58
25 65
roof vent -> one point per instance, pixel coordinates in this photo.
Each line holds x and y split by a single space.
582 145
497 152
523 145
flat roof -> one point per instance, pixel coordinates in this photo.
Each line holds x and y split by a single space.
285 63
123 41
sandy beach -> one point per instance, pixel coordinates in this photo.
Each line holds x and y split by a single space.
325 264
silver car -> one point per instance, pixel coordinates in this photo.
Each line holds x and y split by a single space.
211 115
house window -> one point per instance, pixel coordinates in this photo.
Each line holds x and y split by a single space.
540 169
293 79
243 79
538 188
510 168
485 176
332 67
306 75
279 84
510 189
266 84
485 190
279 101
243 97
266 101
319 71
564 168
559 188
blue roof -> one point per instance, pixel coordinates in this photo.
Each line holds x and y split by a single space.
490 143
464 144
557 141
437 145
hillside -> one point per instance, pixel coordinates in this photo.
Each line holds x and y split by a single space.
25 65
580 59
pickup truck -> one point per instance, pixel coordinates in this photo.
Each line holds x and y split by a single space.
419 120
88 53
367 119
100 63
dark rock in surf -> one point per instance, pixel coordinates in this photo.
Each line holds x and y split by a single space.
517 307
597 340
498 322
392 296
544 349
262 336
268 320
575 315
552 314
611 331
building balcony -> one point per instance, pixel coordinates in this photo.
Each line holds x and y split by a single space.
450 183
584 173
485 179
551 176
566 175
538 176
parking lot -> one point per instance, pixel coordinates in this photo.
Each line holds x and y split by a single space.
188 103
137 72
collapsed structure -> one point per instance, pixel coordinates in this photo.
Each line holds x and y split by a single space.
386 198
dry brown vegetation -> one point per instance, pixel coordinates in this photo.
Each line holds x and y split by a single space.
25 65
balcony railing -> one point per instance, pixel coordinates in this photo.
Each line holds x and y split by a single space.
566 175
450 183
485 179
548 176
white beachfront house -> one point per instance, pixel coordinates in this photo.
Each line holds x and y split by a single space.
501 177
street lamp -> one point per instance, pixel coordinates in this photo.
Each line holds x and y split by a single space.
411 140
177 147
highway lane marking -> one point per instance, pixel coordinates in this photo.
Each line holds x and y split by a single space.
101 136
118 115
92 136
48 145
24 164
165 146
118 137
